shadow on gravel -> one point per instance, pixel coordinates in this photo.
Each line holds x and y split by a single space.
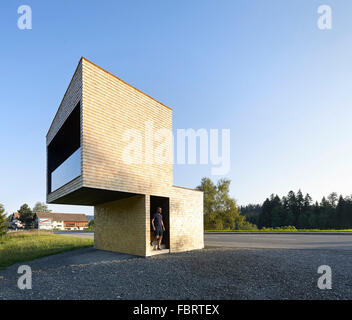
85 256
79 257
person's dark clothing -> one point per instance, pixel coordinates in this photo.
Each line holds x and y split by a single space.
158 220
158 232
158 224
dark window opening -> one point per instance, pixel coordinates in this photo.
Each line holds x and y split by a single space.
63 152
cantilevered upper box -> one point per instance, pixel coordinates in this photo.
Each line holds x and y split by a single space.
87 142
110 146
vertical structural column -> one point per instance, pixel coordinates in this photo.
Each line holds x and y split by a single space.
147 224
120 225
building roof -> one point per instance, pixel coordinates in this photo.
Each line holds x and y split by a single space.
16 215
111 74
63 216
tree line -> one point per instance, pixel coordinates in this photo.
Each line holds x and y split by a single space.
221 211
298 210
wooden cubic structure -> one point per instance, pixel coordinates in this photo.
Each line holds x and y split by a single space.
87 144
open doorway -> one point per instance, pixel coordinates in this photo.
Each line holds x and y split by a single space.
164 203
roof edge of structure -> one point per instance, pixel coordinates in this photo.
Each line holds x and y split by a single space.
147 95
79 62
188 188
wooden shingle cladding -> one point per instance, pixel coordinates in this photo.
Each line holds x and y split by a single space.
111 108
120 192
121 225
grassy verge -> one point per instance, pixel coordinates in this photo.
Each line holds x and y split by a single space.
25 246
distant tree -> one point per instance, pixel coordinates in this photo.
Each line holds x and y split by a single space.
344 212
300 202
26 215
304 219
339 212
307 201
91 224
251 212
293 205
220 210
209 190
289 218
325 212
40 207
348 211
3 220
333 199
264 219
278 216
296 210
266 216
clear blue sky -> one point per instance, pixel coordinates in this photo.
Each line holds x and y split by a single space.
261 68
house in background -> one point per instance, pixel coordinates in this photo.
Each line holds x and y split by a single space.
61 221
15 222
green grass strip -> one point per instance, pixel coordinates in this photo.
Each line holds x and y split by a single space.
25 246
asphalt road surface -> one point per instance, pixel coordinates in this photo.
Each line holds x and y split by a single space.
280 241
266 240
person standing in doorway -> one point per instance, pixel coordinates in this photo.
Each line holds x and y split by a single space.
158 226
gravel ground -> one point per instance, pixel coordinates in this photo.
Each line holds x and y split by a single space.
204 274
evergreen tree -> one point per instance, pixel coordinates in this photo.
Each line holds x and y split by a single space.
307 201
293 206
26 216
289 218
251 212
300 201
325 212
346 216
265 216
339 212
3 220
278 216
